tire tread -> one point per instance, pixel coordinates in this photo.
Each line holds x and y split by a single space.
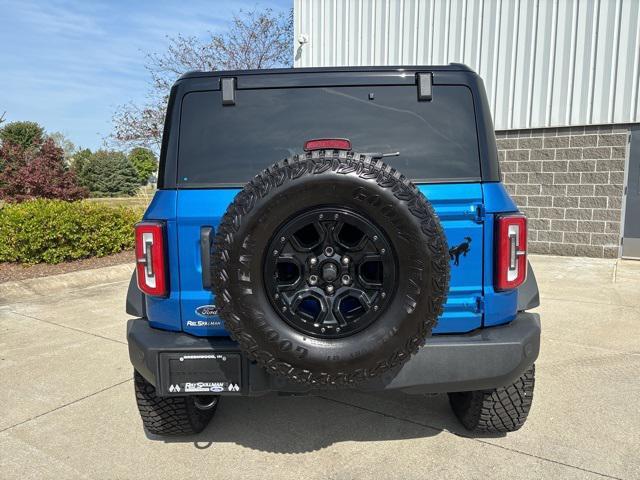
503 409
168 416
340 162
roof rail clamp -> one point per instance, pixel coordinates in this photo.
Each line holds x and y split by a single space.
228 85
425 86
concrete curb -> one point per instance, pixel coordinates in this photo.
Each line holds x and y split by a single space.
23 290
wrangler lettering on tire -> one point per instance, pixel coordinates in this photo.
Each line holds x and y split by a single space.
330 268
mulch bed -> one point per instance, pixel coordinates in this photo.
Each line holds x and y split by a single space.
15 271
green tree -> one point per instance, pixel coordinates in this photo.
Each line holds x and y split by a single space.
145 162
22 134
108 173
68 147
79 159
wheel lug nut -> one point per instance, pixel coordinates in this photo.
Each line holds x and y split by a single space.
375 308
328 251
383 251
345 260
375 237
275 253
283 239
330 288
383 294
346 279
313 260
284 309
313 279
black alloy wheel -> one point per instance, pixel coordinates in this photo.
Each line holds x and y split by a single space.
330 268
330 272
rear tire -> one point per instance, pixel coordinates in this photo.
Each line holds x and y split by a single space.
169 416
502 409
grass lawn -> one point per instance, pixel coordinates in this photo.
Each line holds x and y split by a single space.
141 199
124 201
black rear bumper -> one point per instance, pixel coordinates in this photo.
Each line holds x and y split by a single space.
484 359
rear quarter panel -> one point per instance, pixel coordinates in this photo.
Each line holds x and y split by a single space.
165 312
499 307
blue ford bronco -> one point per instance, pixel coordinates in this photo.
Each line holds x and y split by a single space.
331 228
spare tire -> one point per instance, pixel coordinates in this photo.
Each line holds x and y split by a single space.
330 268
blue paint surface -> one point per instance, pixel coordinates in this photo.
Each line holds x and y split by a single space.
466 212
165 312
500 307
458 206
197 208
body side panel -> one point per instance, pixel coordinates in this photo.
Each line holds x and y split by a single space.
198 208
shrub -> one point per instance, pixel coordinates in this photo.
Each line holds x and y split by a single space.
53 231
109 174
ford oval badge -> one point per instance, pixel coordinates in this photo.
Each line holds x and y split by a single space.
207 311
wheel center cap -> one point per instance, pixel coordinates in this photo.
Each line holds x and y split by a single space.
329 272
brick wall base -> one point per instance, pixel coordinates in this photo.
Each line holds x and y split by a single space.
569 183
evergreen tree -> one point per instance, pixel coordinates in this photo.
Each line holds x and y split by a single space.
22 134
79 159
108 173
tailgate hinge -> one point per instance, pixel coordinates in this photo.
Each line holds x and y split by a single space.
477 212
474 305
479 305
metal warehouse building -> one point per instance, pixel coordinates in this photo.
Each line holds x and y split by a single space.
563 80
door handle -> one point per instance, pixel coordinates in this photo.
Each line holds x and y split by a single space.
206 238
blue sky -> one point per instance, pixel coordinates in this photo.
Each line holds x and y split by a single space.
69 64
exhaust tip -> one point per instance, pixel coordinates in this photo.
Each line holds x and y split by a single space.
205 403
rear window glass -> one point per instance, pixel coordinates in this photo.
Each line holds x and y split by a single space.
228 145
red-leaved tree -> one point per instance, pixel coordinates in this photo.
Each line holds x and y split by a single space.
36 172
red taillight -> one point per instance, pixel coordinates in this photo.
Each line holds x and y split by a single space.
511 251
151 265
327 144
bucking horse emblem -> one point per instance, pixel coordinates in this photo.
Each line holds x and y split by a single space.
462 249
